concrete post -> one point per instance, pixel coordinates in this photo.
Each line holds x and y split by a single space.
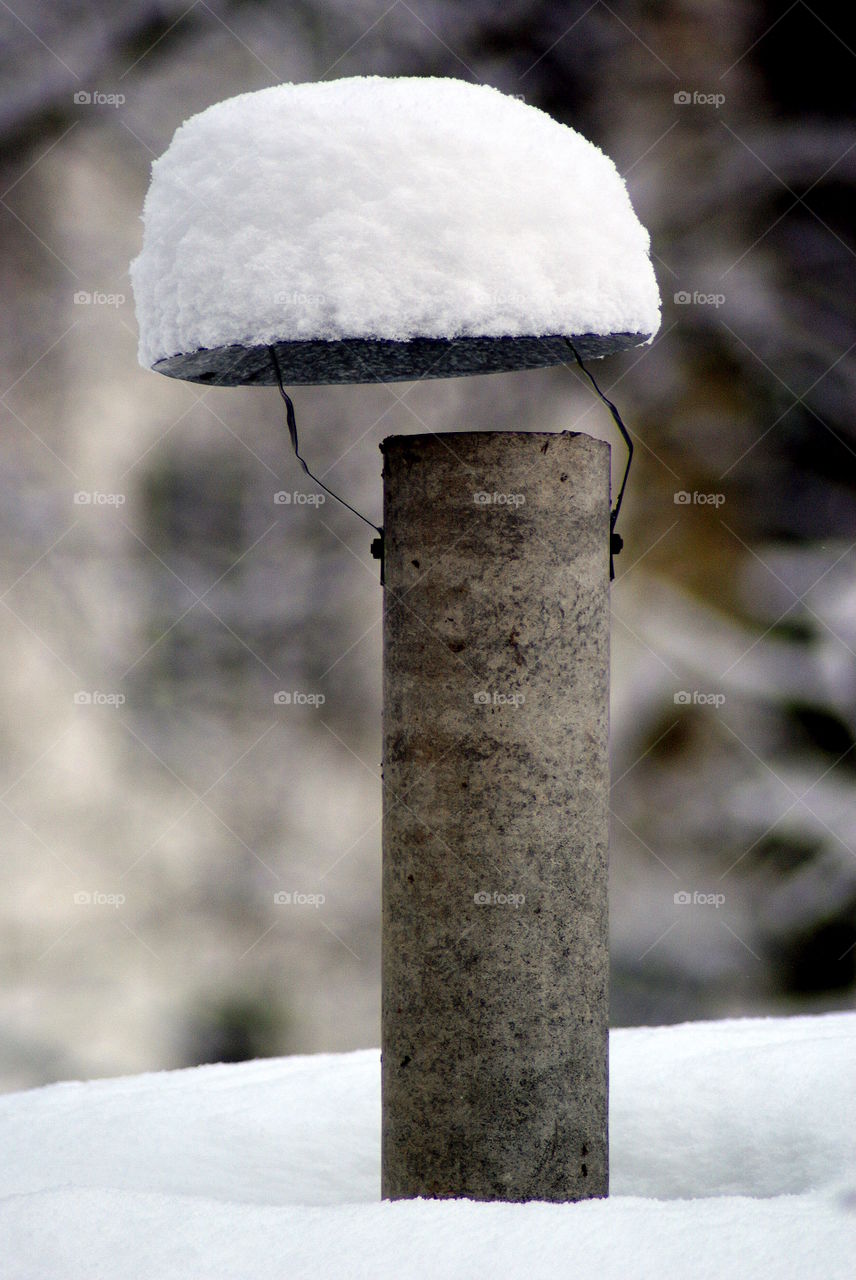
496 777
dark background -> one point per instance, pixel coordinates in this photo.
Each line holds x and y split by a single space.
198 798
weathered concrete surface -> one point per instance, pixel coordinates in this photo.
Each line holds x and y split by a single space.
496 775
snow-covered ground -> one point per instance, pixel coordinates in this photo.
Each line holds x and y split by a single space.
732 1154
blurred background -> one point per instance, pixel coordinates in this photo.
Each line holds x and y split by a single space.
155 798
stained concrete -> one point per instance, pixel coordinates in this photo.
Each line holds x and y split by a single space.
496 778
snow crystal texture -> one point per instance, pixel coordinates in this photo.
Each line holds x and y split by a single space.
731 1147
394 208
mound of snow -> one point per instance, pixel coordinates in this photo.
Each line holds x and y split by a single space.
394 208
732 1153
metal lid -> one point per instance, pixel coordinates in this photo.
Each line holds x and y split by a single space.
317 363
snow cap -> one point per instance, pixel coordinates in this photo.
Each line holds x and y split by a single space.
385 208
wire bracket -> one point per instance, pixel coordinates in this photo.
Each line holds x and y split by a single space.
291 420
616 542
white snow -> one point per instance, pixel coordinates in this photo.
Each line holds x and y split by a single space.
732 1154
385 207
